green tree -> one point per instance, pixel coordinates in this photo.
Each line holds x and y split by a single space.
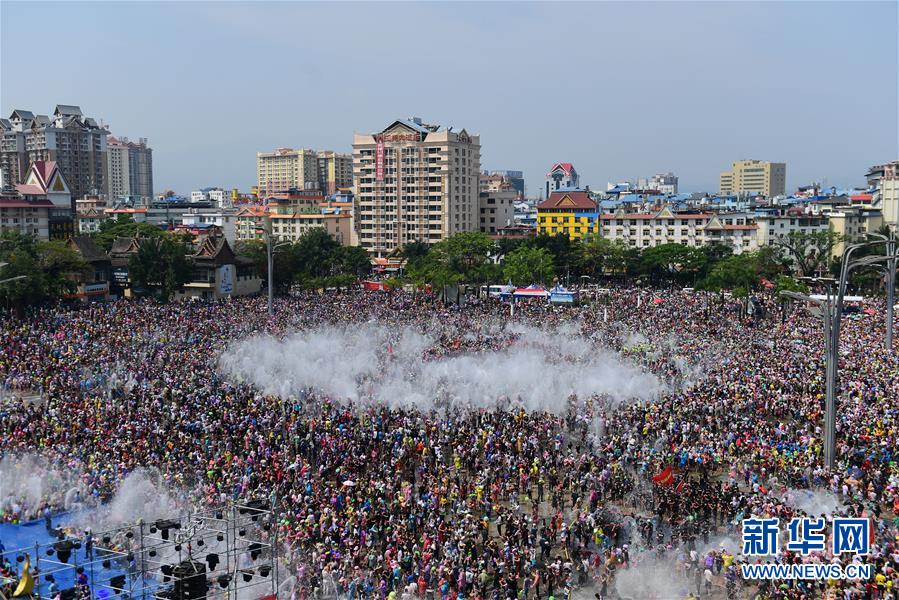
161 265
738 271
351 260
785 283
566 253
600 256
414 252
62 267
465 256
49 270
313 254
123 226
254 250
809 252
674 262
526 265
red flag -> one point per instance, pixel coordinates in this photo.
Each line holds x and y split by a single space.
665 478
680 487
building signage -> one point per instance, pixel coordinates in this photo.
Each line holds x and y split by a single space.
463 138
379 160
226 279
120 276
400 137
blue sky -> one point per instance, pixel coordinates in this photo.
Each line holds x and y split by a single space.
622 90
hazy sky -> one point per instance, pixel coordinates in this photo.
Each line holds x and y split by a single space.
622 90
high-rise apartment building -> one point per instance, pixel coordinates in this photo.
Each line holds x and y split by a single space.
334 171
754 177
77 144
130 168
414 182
287 169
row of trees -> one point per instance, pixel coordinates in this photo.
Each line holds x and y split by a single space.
315 260
474 258
43 270
162 266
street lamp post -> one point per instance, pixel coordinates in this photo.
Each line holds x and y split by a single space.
831 310
888 260
269 252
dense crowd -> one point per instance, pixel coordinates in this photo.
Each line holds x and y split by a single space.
461 502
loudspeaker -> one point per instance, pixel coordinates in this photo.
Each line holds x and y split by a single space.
190 580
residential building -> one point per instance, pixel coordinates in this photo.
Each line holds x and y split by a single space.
754 178
286 169
515 178
45 194
335 171
224 220
853 224
777 223
289 227
562 176
414 181
664 183
77 144
88 220
572 213
130 168
250 223
86 202
138 215
496 204
648 229
218 196
28 216
738 231
888 193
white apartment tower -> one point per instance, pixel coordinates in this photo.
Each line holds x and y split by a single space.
414 182
130 168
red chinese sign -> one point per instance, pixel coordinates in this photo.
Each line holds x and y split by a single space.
379 160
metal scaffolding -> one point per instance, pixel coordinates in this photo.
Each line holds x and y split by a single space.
226 554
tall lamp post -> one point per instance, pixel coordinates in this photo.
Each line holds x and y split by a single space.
830 308
887 262
270 249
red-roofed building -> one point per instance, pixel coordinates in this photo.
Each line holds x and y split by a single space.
29 217
562 176
570 213
41 206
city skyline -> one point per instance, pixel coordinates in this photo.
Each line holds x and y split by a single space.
619 95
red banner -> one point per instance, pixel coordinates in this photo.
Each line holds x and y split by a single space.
665 478
374 286
379 160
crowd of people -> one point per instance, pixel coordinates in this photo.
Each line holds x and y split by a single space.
463 502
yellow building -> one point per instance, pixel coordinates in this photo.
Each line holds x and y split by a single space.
853 224
568 213
286 169
753 177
